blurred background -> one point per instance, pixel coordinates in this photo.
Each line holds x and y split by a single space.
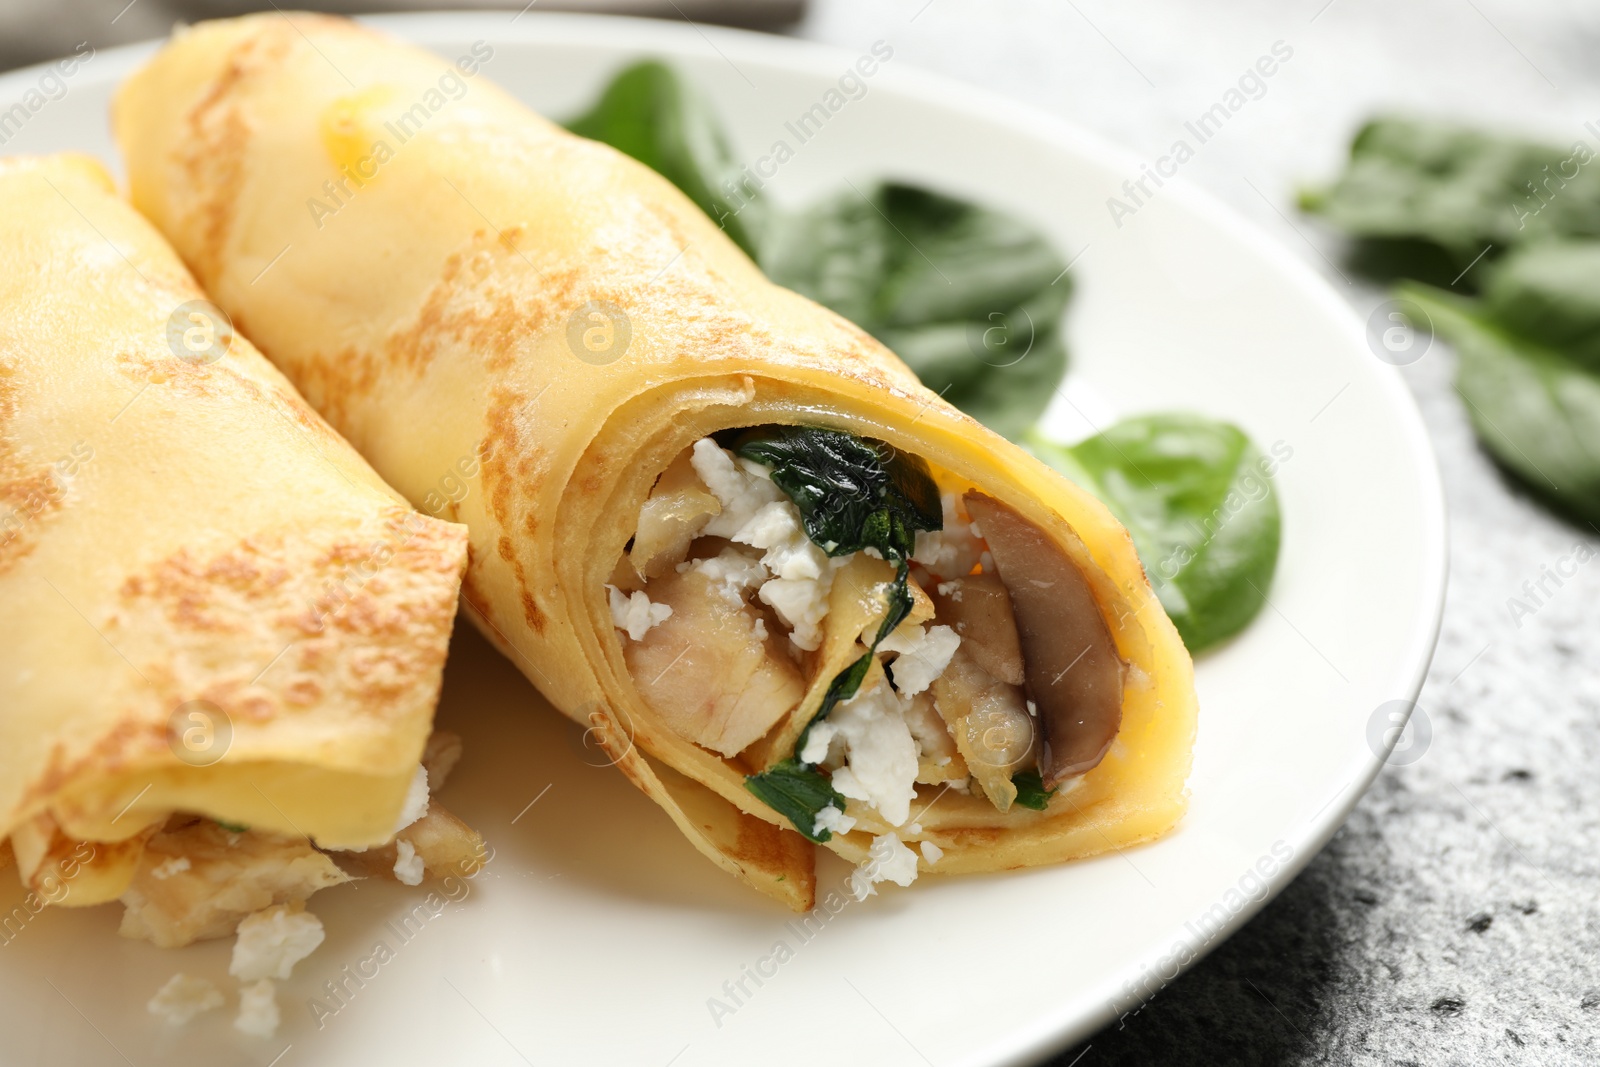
1456 916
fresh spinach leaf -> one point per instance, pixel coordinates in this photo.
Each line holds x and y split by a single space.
1459 187
1534 407
970 298
665 123
1197 497
1031 792
797 792
1549 293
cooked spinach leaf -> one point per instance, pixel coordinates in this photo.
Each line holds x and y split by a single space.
665 123
1459 187
969 297
1535 407
797 792
852 492
1031 792
1197 497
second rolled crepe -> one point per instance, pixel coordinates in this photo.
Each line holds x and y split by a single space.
797 595
223 634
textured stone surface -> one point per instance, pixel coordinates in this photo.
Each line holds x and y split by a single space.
1456 916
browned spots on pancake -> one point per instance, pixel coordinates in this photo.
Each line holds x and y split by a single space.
31 488
355 619
212 156
413 347
226 379
530 610
331 381
484 306
508 465
500 451
199 594
127 742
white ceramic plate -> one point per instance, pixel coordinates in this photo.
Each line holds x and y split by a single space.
597 935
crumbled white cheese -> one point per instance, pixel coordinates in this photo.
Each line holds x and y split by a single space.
635 614
923 656
182 998
258 1009
949 553
797 574
740 486
168 867
802 604
882 767
732 574
416 805
932 852
408 866
273 940
817 739
831 818
887 861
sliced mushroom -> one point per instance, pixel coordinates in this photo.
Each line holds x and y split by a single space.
1073 672
979 609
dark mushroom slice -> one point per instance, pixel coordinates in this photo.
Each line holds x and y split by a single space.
1072 670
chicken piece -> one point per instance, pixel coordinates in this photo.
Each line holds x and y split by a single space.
198 881
990 723
677 510
711 670
979 609
938 759
446 845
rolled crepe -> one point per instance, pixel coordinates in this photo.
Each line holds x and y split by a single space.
444 273
213 606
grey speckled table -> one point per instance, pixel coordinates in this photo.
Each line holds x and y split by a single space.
1455 919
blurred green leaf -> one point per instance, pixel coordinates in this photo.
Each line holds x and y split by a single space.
1459 187
1534 407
